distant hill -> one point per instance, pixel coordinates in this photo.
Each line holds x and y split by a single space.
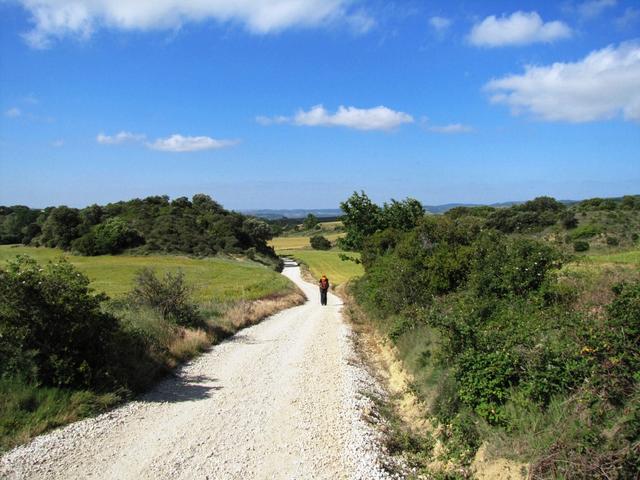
276 214
293 213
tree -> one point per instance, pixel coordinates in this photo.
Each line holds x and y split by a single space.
361 218
112 236
310 222
569 220
403 215
61 227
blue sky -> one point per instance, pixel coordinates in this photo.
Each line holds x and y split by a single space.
297 103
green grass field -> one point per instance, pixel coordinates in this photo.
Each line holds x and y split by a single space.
327 262
631 257
300 242
212 279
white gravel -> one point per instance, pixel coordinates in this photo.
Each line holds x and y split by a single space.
282 399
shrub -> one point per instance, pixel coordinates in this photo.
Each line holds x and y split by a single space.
505 266
112 236
318 242
613 241
585 231
170 296
52 328
580 246
569 220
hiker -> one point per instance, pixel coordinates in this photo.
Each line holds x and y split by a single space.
324 287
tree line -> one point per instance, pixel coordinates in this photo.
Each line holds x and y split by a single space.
197 226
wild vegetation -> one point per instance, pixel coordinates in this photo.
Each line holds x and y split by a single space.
199 227
512 343
67 351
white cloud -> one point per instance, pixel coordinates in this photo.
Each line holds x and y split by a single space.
593 8
13 112
452 128
118 138
603 85
376 118
520 28
179 143
58 18
277 120
440 24
58 143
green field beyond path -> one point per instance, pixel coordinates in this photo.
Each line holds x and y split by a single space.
327 262
212 278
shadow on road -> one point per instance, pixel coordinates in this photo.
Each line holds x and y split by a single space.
183 389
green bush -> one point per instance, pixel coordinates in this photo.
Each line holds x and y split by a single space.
170 296
52 328
580 246
585 231
613 241
319 242
112 236
510 266
569 220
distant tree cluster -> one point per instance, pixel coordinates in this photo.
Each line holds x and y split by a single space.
362 218
199 226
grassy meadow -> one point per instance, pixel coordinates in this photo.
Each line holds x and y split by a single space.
629 257
299 242
213 279
327 262
296 245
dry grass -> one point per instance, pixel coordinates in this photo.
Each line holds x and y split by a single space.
188 343
243 313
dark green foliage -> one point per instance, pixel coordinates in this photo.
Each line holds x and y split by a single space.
363 218
482 212
61 227
580 246
569 220
169 296
112 236
52 329
529 216
318 242
613 241
199 226
510 266
310 222
515 353
630 202
18 224
402 215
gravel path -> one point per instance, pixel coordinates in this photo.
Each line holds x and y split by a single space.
282 399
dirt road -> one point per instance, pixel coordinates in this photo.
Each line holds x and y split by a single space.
282 399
